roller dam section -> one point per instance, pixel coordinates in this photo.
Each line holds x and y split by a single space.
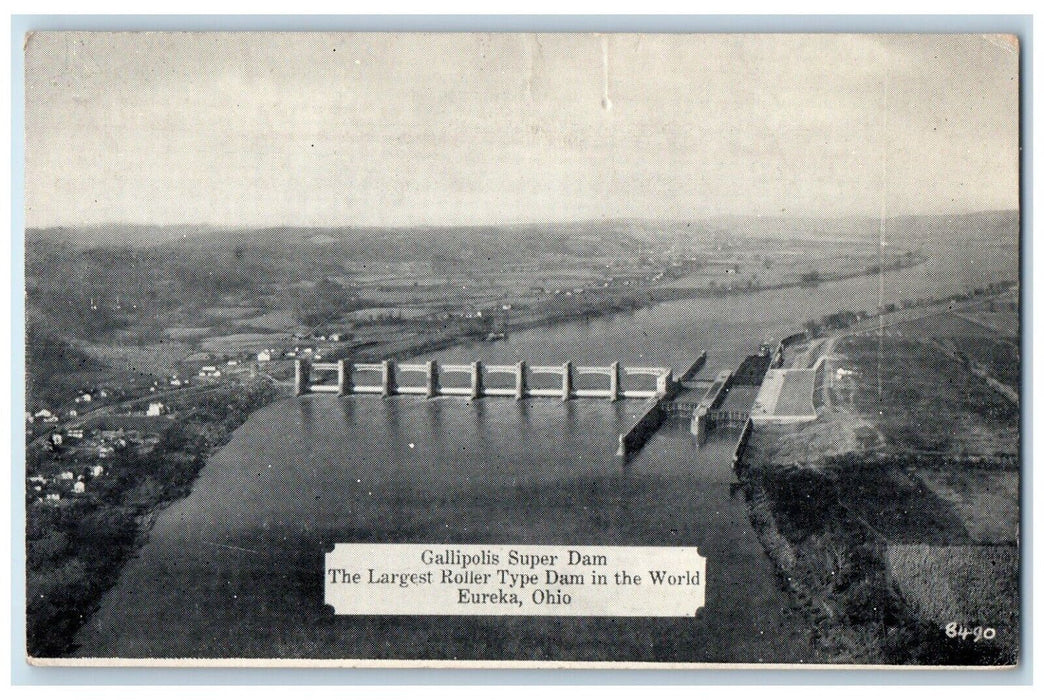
390 378
393 378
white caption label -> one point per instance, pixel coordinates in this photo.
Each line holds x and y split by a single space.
447 579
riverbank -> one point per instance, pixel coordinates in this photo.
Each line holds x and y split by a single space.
592 306
886 540
76 547
842 571
659 295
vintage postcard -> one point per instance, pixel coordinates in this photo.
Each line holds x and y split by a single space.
371 349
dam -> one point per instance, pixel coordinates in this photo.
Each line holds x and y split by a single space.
390 379
343 380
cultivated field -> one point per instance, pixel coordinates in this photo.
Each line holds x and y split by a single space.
157 359
987 500
985 339
970 585
929 401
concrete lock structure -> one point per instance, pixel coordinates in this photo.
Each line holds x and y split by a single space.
698 425
350 379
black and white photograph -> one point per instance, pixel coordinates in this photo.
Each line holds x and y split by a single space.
514 349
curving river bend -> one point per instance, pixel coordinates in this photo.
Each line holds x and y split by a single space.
235 568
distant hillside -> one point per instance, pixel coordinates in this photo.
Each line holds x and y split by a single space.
913 227
464 242
68 271
565 236
118 235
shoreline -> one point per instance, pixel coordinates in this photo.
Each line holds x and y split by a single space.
639 300
71 602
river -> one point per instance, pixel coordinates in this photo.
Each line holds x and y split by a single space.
235 568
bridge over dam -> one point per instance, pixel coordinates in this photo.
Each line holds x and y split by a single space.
391 378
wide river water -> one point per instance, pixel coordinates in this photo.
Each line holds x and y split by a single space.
235 568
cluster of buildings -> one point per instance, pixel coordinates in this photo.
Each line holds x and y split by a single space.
84 400
304 351
103 442
68 483
83 456
173 380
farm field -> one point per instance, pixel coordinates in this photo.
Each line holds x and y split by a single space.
240 342
944 324
971 585
1000 313
986 339
987 500
273 320
156 359
1004 322
929 402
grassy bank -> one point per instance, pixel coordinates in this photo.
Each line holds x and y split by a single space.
836 540
76 549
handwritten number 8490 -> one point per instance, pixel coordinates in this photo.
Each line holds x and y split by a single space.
955 630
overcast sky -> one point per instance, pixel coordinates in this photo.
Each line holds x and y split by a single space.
370 129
